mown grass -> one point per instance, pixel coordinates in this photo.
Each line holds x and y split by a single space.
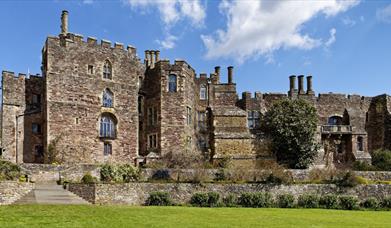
127 216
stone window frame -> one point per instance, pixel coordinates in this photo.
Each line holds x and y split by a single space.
203 92
90 69
107 148
152 141
152 116
335 120
189 115
201 120
170 88
107 70
105 102
36 128
360 143
253 119
108 125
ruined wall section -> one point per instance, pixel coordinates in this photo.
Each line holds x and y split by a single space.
73 99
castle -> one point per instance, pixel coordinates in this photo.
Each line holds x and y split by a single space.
97 102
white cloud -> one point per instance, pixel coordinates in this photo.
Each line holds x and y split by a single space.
88 2
258 28
171 12
349 22
168 42
384 14
332 38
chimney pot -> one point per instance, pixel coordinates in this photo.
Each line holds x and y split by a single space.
64 22
301 84
230 74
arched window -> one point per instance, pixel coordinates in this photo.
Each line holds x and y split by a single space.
107 99
107 70
203 95
172 83
360 143
107 127
335 120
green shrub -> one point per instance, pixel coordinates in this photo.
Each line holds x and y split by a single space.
363 166
221 175
119 173
386 202
258 199
347 179
230 200
308 201
286 201
159 199
246 199
213 199
370 203
329 201
381 159
9 171
88 179
200 200
348 202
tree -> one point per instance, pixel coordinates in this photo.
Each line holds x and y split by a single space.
292 127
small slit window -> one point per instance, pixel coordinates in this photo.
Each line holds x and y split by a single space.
203 95
107 149
90 69
107 70
360 143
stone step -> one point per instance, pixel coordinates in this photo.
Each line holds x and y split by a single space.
50 193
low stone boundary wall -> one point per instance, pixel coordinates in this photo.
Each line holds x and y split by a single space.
74 173
52 173
11 191
185 175
137 193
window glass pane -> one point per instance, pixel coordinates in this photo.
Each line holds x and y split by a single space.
172 83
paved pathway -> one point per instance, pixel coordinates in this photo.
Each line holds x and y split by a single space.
50 193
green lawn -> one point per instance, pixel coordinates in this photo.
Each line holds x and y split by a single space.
126 216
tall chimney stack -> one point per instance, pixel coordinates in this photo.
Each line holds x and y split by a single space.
146 59
152 54
292 83
301 84
310 91
230 74
217 75
157 55
64 22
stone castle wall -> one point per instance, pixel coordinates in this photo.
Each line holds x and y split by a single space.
73 99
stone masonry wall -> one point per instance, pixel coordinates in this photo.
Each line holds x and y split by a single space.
74 99
137 193
11 191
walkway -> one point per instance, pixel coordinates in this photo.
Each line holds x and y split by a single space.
50 193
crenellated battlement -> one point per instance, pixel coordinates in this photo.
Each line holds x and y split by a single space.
93 42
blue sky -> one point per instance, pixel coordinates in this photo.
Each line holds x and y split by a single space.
345 45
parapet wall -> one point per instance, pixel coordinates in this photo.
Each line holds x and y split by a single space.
137 193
